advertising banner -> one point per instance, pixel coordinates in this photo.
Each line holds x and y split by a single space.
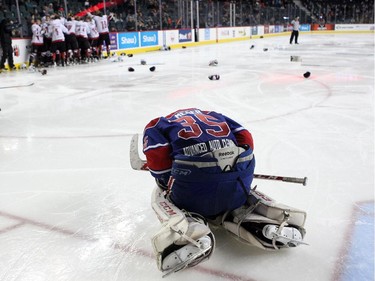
21 50
260 29
149 38
224 33
241 32
305 27
356 27
207 34
279 28
113 40
327 26
184 35
128 40
171 36
266 29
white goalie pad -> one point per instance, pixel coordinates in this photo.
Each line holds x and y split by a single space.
164 209
269 208
284 224
180 233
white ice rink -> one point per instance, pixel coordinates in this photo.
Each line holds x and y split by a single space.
72 209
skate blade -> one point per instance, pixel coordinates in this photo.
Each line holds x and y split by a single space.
186 263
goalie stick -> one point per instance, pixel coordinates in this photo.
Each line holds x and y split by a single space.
141 165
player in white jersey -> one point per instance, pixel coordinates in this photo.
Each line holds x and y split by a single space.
102 26
46 25
37 42
58 39
82 32
93 36
71 39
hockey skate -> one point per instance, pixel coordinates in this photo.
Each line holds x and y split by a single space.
289 236
187 256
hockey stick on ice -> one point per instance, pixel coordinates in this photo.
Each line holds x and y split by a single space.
141 165
17 86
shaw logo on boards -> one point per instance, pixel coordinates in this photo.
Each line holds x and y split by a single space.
149 38
128 40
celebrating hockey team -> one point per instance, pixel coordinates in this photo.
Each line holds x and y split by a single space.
58 41
203 163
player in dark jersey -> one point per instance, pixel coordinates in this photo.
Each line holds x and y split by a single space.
203 164
193 134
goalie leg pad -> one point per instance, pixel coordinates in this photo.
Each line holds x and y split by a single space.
267 224
188 255
184 239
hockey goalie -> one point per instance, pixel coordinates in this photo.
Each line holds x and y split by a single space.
203 164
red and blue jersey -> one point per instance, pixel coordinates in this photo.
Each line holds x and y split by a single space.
190 132
173 146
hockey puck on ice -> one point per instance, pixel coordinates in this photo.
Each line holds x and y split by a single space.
306 74
143 62
252 47
183 47
214 77
130 55
44 72
265 49
152 68
130 69
261 37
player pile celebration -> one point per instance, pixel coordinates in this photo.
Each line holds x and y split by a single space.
62 41
203 163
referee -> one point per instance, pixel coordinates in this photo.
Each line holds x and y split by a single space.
295 31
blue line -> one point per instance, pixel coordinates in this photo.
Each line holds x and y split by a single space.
360 258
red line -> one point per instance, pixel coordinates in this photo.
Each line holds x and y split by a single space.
9 228
125 248
222 274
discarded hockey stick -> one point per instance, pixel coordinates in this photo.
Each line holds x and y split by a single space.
17 86
141 165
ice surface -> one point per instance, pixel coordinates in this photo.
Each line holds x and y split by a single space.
71 208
